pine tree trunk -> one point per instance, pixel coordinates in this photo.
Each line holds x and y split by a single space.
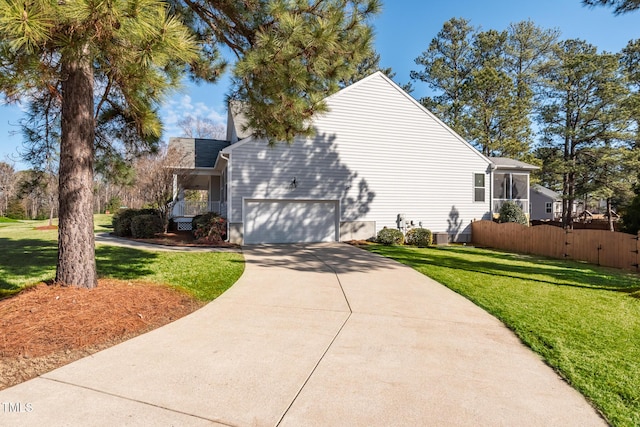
76 251
610 214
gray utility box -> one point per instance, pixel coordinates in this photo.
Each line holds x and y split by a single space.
441 238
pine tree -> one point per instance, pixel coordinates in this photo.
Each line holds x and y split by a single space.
491 122
485 82
620 6
128 52
290 55
527 54
447 65
583 91
630 63
609 175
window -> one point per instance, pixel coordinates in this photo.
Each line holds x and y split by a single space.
548 207
510 186
478 187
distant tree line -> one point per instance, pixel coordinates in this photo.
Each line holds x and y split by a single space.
525 93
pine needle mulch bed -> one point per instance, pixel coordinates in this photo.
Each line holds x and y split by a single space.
45 327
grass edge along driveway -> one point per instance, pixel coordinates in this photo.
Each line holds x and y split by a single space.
582 319
28 256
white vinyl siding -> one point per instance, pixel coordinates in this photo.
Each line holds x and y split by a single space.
263 172
377 152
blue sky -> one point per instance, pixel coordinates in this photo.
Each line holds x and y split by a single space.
403 31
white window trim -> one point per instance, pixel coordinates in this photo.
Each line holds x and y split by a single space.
548 207
484 175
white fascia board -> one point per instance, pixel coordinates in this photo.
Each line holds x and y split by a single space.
230 148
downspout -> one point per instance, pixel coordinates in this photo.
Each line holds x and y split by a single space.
228 193
529 197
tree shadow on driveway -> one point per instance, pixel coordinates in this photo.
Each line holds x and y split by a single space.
338 257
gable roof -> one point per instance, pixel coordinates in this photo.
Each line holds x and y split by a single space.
380 74
546 192
194 153
507 163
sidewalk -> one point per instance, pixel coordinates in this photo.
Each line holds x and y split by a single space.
109 239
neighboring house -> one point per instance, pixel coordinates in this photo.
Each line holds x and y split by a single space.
378 159
546 204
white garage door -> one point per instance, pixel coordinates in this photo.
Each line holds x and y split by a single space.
289 221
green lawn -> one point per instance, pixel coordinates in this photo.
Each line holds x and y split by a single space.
582 319
28 256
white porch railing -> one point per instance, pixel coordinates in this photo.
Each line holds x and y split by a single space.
192 208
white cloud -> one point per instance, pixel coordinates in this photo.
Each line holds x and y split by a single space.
185 103
176 109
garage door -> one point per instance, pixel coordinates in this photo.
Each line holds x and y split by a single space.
289 221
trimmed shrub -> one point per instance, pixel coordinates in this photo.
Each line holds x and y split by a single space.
390 236
122 220
420 237
512 212
210 228
146 226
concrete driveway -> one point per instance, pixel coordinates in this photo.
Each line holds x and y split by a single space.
313 335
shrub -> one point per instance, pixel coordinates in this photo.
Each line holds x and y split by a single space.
210 227
122 220
512 212
631 215
15 209
114 204
390 236
146 226
420 237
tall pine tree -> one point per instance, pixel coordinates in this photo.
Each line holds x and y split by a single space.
447 65
583 91
127 51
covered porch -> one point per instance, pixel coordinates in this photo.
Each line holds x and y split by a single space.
196 193
511 187
510 183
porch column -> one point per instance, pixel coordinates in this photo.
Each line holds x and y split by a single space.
175 186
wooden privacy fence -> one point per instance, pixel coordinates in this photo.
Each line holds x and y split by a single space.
611 249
